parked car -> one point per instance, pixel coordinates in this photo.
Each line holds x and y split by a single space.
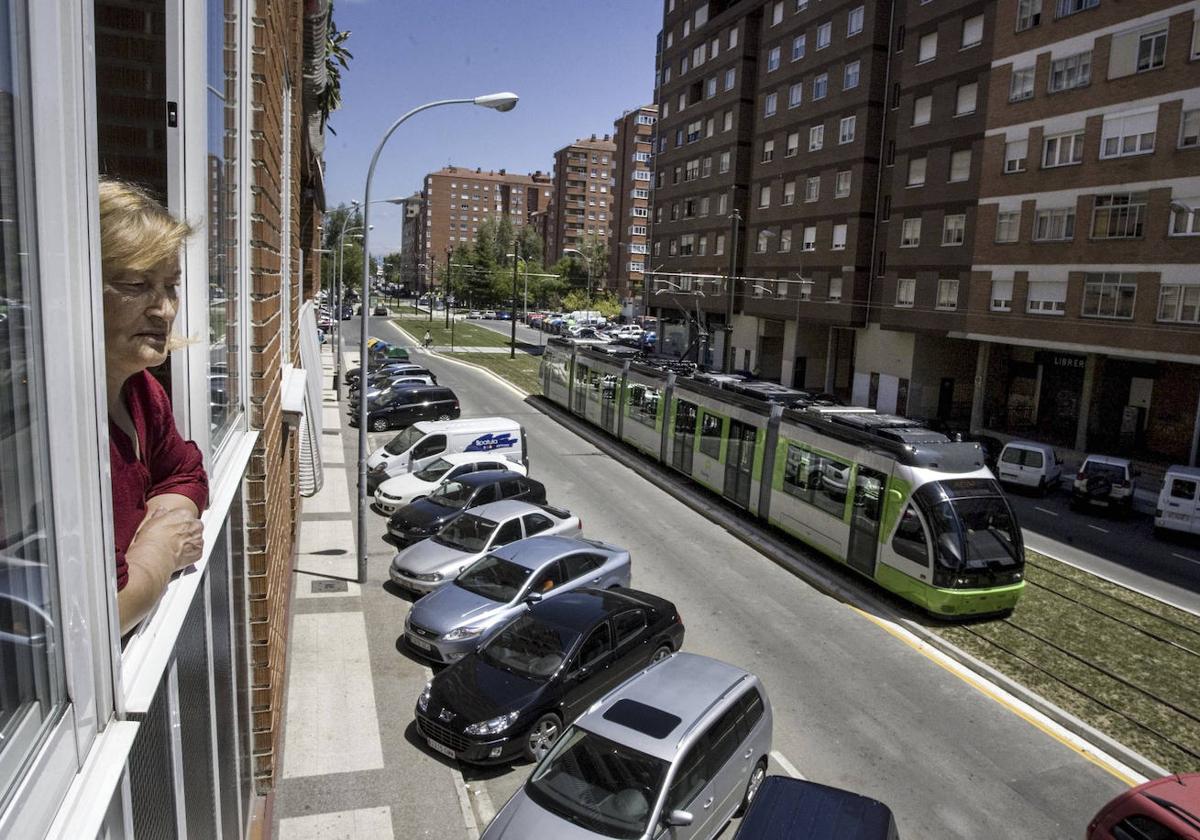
421 444
379 387
503 315
426 516
474 314
675 751
489 314
1178 507
431 564
389 372
1160 809
397 492
1027 463
448 624
513 696
1105 481
785 808
399 408
380 310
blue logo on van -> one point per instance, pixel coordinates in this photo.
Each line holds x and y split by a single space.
487 443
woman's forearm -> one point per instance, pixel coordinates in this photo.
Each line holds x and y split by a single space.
171 501
143 588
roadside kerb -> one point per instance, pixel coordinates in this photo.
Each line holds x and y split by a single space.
788 557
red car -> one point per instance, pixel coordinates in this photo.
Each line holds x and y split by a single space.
1162 809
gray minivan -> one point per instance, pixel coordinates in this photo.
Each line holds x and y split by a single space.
674 752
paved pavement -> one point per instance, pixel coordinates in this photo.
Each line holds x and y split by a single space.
854 706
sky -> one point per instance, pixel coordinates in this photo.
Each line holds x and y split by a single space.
576 64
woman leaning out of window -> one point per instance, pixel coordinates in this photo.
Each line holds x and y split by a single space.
158 482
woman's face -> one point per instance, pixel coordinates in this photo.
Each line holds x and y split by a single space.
139 309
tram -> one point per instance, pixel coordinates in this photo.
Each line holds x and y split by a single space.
905 506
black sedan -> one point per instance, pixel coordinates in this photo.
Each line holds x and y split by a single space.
429 514
401 407
515 695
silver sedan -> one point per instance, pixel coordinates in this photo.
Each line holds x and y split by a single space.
431 564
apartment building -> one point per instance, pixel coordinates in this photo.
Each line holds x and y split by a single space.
582 200
458 199
629 216
411 226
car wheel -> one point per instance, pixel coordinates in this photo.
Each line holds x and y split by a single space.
443 417
379 424
662 653
756 779
542 735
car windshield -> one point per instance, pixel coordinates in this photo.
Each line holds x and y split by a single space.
530 647
1100 469
467 533
403 442
598 784
494 578
434 471
452 494
973 517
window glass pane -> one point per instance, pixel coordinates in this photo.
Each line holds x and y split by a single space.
223 221
31 676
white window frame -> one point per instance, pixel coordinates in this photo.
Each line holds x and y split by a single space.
1058 142
954 229
1070 72
1008 226
1178 313
824 35
964 174
851 74
910 232
1105 280
812 188
971 37
947 294
1000 299
922 110
847 128
854 21
810 239
1013 162
927 47
912 168
1054 303
843 176
816 137
906 292
966 99
1056 218
1128 141
840 232
1021 84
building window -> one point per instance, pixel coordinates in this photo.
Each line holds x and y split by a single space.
1118 216
693 130
810 239
841 187
760 246
816 137
1179 303
910 233
777 13
916 172
1008 225
1063 8
691 170
704 202
702 245
1128 134
954 229
769 104
773 59
698 54
1029 14
1185 217
730 75
846 129
965 103
824 35
1021 85
1046 297
1062 150
799 46
709 127
1054 225
733 37
795 94
705 167
789 193
947 294
839 237
1152 50
1189 129
764 195
1001 299
812 187
723 164
672 248
719 245
927 50
906 292
972 31
850 75
687 245
854 22
722 204
1015 153
710 87
835 289
785 241
1074 71
768 151
820 86
922 110
793 144
1109 294
960 165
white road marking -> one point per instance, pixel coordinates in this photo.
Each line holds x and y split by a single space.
787 766
1182 557
1098 528
1043 510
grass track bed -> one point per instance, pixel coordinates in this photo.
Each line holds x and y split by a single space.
465 334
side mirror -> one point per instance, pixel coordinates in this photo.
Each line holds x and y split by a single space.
679 818
533 597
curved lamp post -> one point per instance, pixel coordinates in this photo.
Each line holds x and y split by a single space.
587 261
504 101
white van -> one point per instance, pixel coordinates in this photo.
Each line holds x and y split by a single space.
1029 464
1178 507
421 443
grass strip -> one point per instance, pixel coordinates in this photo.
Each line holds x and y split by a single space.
521 371
465 334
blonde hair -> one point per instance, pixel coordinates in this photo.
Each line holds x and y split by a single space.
136 232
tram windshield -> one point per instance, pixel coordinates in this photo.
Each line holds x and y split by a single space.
975 534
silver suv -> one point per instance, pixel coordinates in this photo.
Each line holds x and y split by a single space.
675 751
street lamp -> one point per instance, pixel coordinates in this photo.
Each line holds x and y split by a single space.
505 101
587 262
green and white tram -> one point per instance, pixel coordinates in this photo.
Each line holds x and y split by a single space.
917 513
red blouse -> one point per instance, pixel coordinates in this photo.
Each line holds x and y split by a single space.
169 463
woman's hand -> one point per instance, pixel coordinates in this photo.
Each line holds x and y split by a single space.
168 540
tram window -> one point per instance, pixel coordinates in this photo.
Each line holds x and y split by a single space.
833 482
910 541
798 477
685 418
711 426
643 404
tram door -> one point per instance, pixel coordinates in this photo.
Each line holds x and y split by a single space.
685 436
608 402
583 381
866 512
739 462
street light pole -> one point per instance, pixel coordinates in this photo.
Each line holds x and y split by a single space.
512 347
735 219
498 101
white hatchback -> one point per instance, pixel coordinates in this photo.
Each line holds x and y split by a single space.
395 493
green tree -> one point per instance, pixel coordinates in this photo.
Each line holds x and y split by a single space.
351 254
336 60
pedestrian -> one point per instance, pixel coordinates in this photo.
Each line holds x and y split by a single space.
428 340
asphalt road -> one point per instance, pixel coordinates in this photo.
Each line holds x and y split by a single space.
1124 550
853 706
